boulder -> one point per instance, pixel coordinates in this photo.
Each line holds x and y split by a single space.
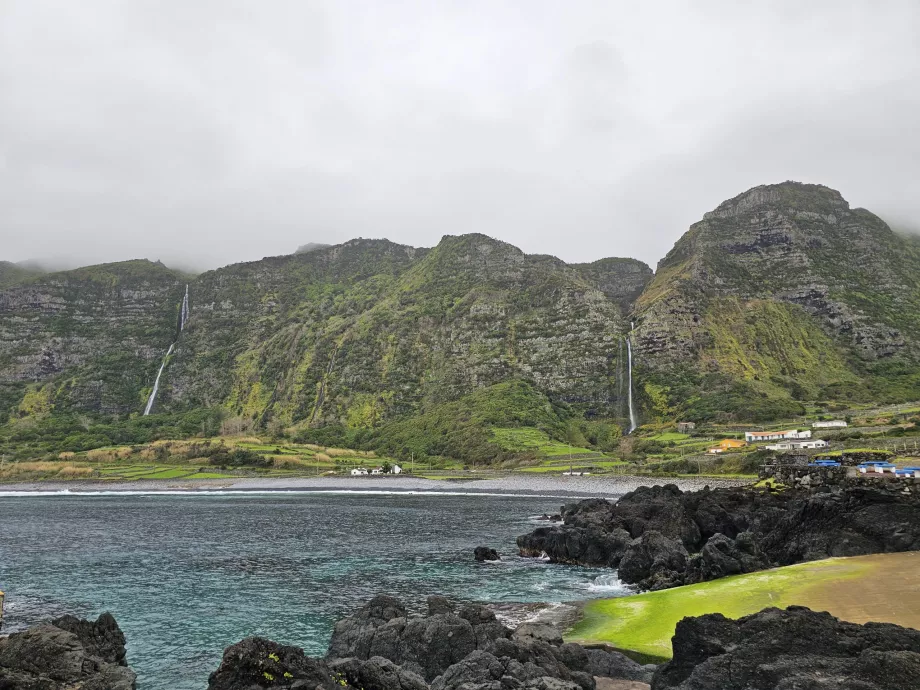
484 553
424 645
653 561
789 649
66 654
538 631
357 635
722 556
256 663
604 663
376 673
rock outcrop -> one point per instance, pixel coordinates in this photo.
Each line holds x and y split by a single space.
381 647
485 553
791 649
662 537
66 654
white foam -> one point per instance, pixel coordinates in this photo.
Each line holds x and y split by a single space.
258 492
608 583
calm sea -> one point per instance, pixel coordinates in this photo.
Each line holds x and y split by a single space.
187 575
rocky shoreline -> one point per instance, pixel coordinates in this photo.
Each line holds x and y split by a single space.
660 537
597 485
450 647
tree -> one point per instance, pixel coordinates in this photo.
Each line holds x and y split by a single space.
386 467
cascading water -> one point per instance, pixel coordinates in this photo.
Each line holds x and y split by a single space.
156 382
632 412
183 312
183 318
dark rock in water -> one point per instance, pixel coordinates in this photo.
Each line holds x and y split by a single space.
728 531
357 635
377 673
66 654
792 649
257 663
484 553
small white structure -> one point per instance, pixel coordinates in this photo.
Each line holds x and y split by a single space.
377 470
754 436
395 469
796 445
830 424
358 471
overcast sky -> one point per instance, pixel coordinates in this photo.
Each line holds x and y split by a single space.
203 132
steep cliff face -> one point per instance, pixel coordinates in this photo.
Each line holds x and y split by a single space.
352 334
89 339
370 330
786 289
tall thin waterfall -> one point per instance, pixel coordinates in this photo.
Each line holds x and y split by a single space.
632 412
156 383
183 318
183 312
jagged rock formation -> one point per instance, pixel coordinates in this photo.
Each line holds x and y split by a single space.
784 292
381 647
795 648
660 537
66 654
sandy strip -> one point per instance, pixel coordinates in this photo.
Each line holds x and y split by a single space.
599 485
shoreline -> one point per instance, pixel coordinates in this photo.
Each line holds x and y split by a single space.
597 486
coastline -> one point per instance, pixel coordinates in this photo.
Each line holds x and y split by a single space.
600 486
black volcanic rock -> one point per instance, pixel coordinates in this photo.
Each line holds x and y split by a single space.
425 645
790 650
256 663
485 553
66 654
662 537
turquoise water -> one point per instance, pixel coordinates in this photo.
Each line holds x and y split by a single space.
187 575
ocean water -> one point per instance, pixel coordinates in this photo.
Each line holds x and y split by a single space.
187 575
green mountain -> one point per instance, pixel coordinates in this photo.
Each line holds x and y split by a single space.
783 293
780 296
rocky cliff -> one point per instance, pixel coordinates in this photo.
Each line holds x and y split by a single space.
781 295
785 293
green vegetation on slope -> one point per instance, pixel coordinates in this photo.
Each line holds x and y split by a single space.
644 623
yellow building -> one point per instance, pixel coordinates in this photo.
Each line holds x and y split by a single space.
727 444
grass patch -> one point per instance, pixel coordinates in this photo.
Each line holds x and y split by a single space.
645 623
531 439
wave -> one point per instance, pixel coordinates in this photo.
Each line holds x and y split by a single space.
262 492
608 583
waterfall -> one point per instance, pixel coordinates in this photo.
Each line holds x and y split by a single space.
632 412
183 318
183 312
156 383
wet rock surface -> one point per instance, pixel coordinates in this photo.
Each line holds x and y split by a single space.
791 649
662 537
66 654
485 553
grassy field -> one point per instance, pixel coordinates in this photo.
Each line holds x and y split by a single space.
881 587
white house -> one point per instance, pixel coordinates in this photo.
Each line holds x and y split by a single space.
395 469
796 445
377 470
830 424
755 436
358 471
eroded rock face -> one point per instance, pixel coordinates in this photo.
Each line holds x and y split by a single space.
426 645
485 553
791 649
66 654
662 537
